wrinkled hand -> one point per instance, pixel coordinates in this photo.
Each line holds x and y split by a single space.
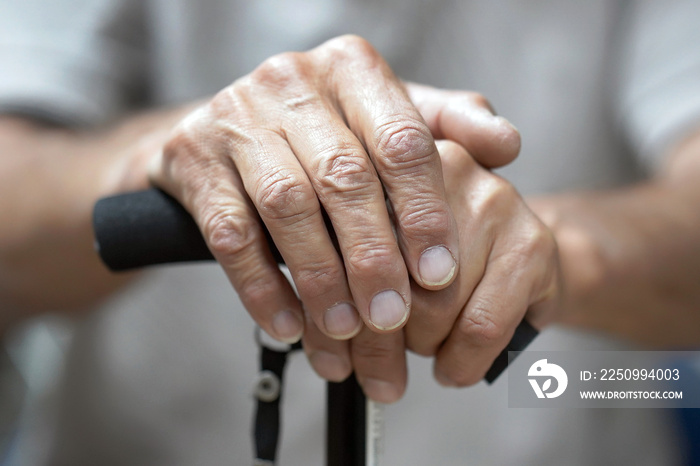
330 130
509 268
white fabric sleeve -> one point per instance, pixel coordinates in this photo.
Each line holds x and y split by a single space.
659 88
76 62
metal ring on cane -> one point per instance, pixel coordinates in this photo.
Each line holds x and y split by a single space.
267 387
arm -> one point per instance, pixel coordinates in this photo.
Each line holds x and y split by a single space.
631 257
49 179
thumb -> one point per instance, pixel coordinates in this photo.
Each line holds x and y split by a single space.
468 119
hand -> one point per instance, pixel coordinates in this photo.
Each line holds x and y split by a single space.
510 269
328 130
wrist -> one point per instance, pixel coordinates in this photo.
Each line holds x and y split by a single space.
584 264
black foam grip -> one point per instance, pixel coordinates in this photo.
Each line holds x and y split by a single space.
142 228
149 227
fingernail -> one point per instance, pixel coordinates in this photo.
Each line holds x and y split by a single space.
342 321
443 380
510 139
506 122
381 391
436 266
288 326
387 310
330 366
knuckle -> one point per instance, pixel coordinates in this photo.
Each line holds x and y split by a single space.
423 219
494 194
186 139
229 100
368 259
538 240
316 280
232 108
285 195
535 246
480 327
206 135
280 71
344 169
351 46
229 234
403 144
503 191
255 292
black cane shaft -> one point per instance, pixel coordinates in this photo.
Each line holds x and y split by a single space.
143 228
346 424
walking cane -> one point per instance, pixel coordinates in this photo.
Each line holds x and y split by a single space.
139 229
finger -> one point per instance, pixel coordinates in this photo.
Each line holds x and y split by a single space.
329 358
434 313
379 361
486 324
213 194
467 118
352 196
403 151
342 176
521 272
287 203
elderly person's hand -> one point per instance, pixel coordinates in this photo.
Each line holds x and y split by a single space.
509 268
330 132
